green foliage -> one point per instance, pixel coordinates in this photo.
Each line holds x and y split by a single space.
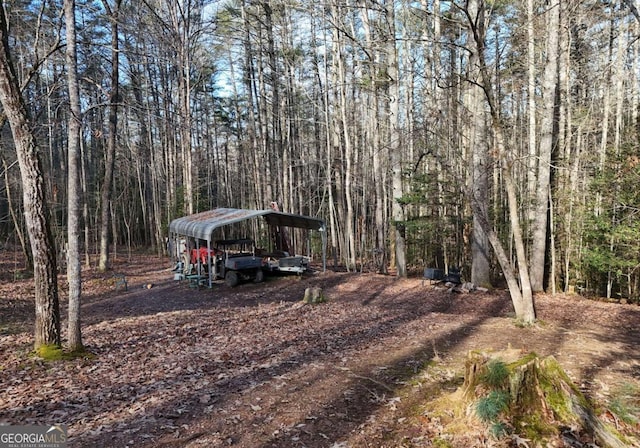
434 227
496 374
498 430
612 234
490 407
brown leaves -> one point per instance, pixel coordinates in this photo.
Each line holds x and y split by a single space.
254 367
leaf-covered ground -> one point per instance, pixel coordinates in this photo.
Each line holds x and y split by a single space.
251 366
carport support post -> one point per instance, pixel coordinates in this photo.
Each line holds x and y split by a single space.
323 232
209 270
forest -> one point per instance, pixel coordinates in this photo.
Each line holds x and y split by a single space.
497 140
501 137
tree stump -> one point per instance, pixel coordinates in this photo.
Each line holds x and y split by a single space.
313 295
532 397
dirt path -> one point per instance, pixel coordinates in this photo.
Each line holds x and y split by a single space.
253 367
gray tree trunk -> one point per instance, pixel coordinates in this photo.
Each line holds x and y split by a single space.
547 122
480 169
532 161
107 182
73 199
47 325
14 217
521 295
395 148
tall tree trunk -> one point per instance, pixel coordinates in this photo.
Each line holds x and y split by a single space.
521 294
478 150
342 141
273 119
395 147
532 161
480 246
181 16
348 174
262 184
547 138
73 194
107 182
377 149
47 325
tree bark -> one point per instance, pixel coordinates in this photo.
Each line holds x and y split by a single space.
107 182
28 263
47 324
521 294
532 161
395 148
73 192
548 137
479 150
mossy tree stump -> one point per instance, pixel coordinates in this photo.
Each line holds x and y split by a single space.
533 398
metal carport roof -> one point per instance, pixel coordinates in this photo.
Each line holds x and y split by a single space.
201 225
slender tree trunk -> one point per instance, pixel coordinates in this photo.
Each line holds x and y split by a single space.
262 185
182 29
348 196
547 130
107 182
521 294
73 192
342 141
275 149
14 217
531 107
85 205
395 147
378 151
47 325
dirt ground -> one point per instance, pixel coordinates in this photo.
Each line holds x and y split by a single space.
252 366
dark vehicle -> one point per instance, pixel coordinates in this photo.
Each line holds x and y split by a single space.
236 261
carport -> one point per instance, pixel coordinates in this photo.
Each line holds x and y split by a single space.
201 226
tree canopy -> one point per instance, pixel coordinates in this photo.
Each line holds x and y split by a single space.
381 118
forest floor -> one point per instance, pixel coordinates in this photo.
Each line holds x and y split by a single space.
252 366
